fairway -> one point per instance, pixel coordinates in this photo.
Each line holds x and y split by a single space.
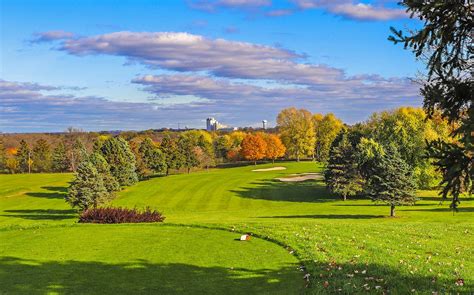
349 246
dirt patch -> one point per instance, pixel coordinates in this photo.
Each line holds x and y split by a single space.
301 177
269 169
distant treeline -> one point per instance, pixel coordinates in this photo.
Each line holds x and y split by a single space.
298 135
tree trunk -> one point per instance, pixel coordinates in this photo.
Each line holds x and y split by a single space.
255 163
344 197
273 162
297 158
392 210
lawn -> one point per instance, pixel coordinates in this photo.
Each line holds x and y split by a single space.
348 247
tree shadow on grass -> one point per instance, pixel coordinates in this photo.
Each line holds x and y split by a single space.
54 192
20 276
328 216
42 214
354 277
274 190
445 209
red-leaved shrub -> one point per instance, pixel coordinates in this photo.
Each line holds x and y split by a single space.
120 215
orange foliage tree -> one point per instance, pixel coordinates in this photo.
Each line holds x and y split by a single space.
253 147
275 148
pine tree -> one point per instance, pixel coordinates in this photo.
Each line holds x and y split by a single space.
60 162
23 157
392 180
103 168
87 189
342 175
117 153
41 156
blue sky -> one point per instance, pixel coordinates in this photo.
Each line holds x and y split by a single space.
101 65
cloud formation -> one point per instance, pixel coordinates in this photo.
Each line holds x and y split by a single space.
51 36
351 10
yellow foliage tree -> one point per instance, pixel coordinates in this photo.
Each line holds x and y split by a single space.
297 132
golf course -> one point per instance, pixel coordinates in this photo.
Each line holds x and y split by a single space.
303 239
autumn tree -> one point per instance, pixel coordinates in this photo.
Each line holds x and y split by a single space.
41 156
23 157
326 129
60 162
151 157
187 153
444 42
173 158
3 157
296 129
274 147
253 147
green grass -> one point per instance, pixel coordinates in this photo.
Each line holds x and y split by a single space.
349 247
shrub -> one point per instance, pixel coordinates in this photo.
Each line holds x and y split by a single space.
120 215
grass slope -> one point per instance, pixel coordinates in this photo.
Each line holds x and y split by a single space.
349 247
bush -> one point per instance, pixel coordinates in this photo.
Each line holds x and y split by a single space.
120 215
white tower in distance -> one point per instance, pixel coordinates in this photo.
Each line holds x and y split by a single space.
264 123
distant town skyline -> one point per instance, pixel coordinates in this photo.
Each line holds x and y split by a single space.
147 64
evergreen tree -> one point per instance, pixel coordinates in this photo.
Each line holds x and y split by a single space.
342 174
103 168
60 162
444 42
117 153
392 180
87 189
41 156
23 157
151 156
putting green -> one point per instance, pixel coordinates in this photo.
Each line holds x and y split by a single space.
133 259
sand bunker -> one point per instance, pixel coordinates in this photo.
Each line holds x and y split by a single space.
301 177
269 169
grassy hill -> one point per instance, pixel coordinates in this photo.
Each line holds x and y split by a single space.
349 247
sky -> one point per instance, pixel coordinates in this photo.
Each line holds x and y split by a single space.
141 64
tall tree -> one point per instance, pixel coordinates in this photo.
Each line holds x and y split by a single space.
297 132
187 153
326 129
117 153
87 189
445 44
103 168
342 174
60 161
151 157
253 147
23 157
391 180
3 157
173 158
274 147
41 156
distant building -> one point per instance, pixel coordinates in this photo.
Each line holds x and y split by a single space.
264 124
213 125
